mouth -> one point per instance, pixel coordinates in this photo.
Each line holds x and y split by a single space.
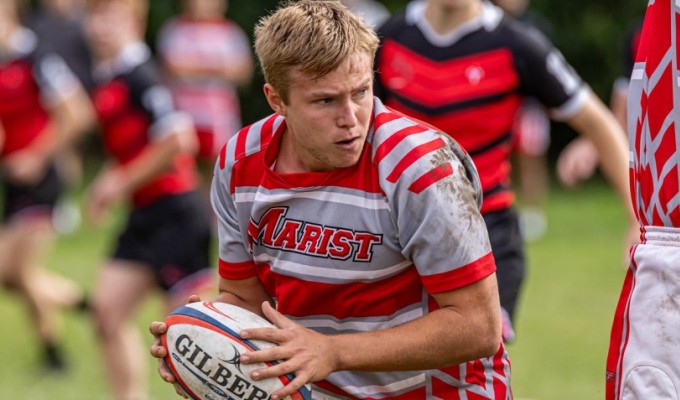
347 142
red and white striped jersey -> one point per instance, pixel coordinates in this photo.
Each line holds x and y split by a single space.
653 117
361 248
206 45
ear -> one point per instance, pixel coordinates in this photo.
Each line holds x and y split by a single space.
274 99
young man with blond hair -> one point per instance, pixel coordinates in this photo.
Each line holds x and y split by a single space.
354 229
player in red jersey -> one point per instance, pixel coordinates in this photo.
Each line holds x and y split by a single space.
465 68
361 225
43 110
151 167
642 361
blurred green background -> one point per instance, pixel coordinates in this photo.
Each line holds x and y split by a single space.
575 271
575 274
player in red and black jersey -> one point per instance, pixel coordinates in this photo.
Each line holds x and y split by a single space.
151 166
43 109
465 68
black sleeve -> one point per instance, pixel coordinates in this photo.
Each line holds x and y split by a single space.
543 71
148 93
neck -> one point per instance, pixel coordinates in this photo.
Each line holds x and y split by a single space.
445 19
7 29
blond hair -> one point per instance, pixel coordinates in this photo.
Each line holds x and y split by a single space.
312 36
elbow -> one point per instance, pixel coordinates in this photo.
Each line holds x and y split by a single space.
487 336
490 343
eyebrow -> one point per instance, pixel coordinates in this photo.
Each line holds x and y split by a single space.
322 94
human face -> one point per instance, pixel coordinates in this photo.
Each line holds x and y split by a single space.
327 118
205 9
109 27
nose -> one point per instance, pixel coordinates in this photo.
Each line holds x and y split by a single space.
347 114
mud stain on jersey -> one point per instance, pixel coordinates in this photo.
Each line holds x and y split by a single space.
461 196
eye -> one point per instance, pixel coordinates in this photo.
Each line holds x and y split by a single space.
361 92
325 100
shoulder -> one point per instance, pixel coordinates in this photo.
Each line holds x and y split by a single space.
144 75
414 155
522 37
250 140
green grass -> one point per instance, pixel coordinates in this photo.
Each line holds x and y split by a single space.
575 273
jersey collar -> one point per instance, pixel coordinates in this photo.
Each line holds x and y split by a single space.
487 19
132 55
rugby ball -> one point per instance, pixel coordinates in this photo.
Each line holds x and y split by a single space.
204 348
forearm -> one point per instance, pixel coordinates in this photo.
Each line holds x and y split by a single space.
445 337
600 126
153 161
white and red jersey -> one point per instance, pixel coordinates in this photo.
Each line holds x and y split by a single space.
206 45
653 117
361 248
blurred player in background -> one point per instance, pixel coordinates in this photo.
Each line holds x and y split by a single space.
531 138
465 68
165 240
361 224
206 58
58 25
643 358
43 109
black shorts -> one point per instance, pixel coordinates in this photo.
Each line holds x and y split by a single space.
40 198
172 236
507 246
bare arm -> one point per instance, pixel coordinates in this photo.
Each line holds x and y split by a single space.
597 124
466 327
117 182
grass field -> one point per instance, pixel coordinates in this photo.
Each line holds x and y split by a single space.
565 313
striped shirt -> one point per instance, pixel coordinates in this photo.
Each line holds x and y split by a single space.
653 117
470 83
360 248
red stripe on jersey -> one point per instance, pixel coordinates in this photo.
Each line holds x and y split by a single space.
223 156
461 276
265 131
350 300
457 80
391 142
431 177
384 118
414 155
236 271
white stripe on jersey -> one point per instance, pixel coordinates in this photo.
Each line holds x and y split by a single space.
253 140
325 274
394 387
359 324
320 195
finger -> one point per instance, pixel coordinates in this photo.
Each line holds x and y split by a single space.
180 391
271 354
276 317
290 388
158 328
274 335
273 371
164 373
194 298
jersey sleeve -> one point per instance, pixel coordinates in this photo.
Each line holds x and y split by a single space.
235 261
156 101
56 80
435 203
545 74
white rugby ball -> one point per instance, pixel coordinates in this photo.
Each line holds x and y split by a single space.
204 349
